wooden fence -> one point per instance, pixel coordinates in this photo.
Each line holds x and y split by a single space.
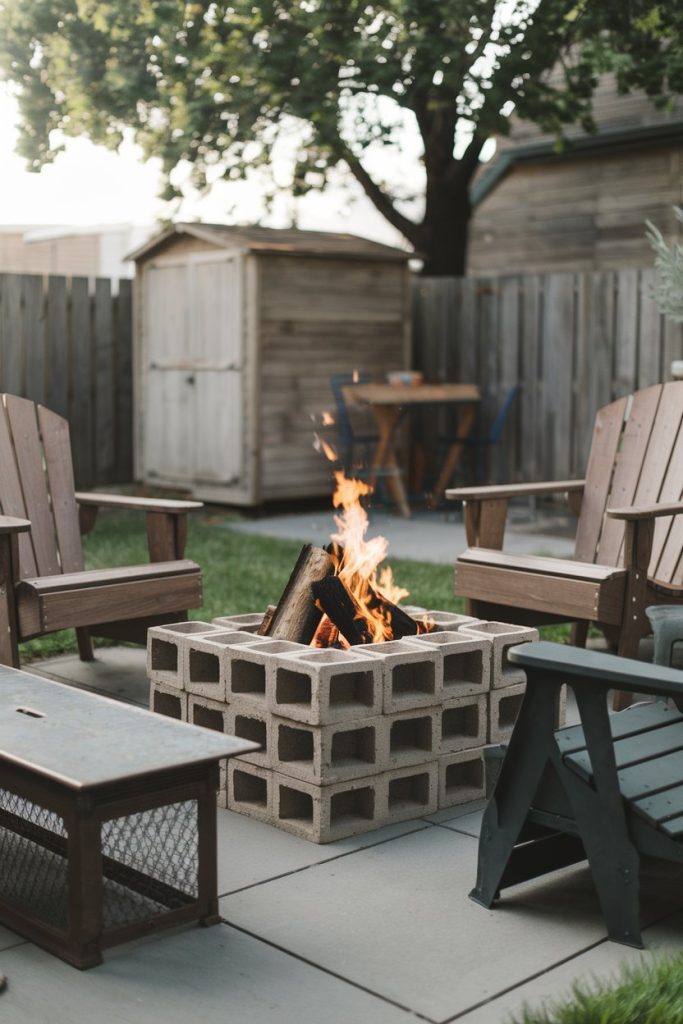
573 342
67 342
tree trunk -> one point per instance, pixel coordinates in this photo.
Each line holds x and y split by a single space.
444 231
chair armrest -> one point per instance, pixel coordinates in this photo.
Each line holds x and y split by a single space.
514 490
9 525
123 501
634 512
605 670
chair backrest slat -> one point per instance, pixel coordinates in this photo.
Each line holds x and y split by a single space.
638 426
12 496
606 434
666 564
54 432
23 423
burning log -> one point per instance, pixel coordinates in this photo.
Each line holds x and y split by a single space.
296 616
267 619
339 606
349 617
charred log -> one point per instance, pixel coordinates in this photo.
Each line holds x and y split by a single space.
296 616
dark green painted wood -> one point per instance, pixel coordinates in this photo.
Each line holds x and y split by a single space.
652 776
662 806
633 750
674 827
606 669
627 723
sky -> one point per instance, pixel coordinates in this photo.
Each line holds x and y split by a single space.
90 185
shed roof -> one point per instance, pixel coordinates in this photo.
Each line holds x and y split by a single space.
285 241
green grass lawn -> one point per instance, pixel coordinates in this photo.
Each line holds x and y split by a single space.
651 993
242 573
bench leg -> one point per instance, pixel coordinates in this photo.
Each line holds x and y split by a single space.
84 640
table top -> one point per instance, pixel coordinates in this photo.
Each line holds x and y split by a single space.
411 394
83 740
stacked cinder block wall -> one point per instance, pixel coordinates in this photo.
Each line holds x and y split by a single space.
350 740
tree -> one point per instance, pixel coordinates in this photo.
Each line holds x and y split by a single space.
219 83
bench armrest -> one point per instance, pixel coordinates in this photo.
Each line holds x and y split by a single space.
634 512
124 501
514 490
548 660
8 525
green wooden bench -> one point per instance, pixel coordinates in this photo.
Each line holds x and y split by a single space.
607 790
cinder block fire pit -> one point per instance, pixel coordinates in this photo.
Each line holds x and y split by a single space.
353 739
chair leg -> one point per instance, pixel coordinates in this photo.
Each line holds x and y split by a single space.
579 633
627 647
84 640
506 812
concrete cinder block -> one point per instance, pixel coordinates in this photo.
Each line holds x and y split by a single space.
504 708
323 814
408 793
464 723
327 686
412 737
206 661
450 621
325 754
412 673
466 662
248 622
250 668
164 650
503 636
462 777
250 790
247 723
167 700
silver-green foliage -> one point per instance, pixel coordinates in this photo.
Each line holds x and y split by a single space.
669 262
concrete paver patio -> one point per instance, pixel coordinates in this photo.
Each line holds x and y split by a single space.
377 929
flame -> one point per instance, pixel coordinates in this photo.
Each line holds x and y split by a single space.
328 419
357 560
327 450
355 377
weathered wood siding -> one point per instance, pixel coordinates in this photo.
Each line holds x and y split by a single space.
577 214
573 342
319 317
67 342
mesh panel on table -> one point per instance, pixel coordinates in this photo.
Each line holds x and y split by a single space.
144 849
33 868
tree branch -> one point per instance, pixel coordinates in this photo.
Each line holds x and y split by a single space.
379 198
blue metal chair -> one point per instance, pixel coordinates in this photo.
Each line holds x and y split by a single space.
482 445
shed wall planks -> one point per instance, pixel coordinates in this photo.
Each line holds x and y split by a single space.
65 342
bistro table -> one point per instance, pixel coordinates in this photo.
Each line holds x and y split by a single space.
389 401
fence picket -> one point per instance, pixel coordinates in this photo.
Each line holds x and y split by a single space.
52 332
577 342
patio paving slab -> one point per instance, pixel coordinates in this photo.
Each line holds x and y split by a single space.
117 672
601 963
206 976
251 852
395 919
468 815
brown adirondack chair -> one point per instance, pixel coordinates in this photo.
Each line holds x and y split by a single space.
43 586
629 539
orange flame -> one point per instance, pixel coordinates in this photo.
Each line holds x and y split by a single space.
327 450
328 419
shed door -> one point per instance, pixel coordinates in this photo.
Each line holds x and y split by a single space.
194 417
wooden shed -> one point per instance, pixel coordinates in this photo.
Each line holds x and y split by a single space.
237 333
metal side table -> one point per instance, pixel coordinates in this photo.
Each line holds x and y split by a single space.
107 818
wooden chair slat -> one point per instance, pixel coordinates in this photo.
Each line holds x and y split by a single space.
23 424
608 426
632 750
12 497
661 806
631 722
666 549
54 431
635 439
